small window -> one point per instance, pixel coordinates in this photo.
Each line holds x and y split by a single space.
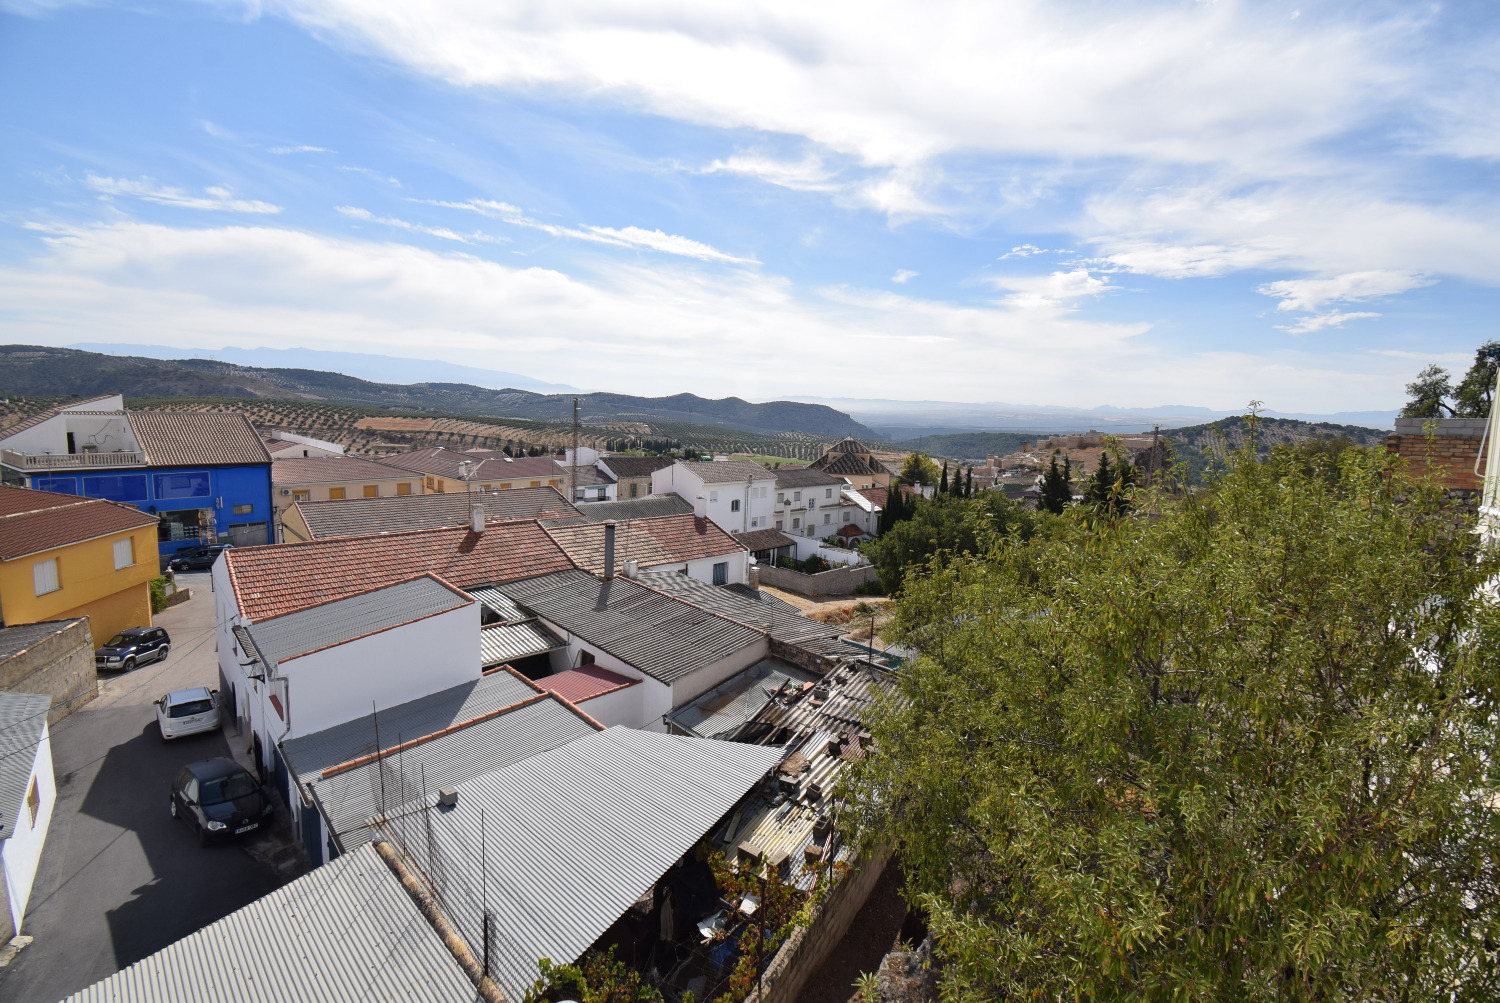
796 496
124 553
721 573
827 518
778 523
734 504
244 509
301 496
754 523
585 658
404 488
713 496
33 801
848 516
44 576
780 497
372 490
796 523
828 492
335 494
485 487
441 487
537 484
634 489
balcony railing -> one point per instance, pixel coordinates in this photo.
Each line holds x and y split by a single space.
70 461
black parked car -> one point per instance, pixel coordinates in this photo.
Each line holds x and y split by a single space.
218 797
198 559
130 648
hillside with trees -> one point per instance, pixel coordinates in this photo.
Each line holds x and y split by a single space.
1203 447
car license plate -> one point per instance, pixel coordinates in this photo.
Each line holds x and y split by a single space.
247 828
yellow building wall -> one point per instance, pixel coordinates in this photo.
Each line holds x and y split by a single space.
90 585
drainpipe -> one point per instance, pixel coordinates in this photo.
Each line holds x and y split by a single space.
745 514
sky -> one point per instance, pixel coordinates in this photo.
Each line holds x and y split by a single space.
1064 203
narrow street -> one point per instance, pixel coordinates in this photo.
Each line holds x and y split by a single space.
119 878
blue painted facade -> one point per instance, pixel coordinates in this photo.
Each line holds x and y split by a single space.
200 504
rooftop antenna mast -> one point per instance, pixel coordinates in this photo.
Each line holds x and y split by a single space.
573 473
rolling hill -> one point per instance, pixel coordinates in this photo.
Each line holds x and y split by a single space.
37 371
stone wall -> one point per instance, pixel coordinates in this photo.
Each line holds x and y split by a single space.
1452 450
837 582
809 945
57 661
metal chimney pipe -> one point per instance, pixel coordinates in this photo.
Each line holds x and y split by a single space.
476 515
609 549
632 567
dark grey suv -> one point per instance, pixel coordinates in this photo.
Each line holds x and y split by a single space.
133 647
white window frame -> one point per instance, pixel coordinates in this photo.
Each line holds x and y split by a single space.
828 492
44 573
713 497
129 553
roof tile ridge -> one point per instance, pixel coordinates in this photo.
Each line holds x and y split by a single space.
556 543
364 592
53 508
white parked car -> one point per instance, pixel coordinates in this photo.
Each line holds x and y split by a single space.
188 712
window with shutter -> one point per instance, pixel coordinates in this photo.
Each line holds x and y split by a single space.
124 553
44 576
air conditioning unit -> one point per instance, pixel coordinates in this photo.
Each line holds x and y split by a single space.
286 491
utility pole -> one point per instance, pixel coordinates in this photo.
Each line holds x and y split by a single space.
573 473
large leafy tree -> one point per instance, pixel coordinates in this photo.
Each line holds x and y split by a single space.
1057 486
919 469
1427 395
942 527
1473 396
1242 749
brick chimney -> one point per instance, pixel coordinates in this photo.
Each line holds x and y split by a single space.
476 515
754 577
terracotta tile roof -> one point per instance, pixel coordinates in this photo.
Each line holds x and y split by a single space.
443 462
584 683
31 422
635 466
764 539
877 496
407 513
197 438
333 469
588 476
34 521
269 581
848 464
668 539
725 471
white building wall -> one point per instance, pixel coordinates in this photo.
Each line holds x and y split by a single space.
414 660
691 687
756 498
619 707
23 850
654 698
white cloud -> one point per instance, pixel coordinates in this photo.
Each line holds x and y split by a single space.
354 212
810 174
629 236
1353 287
652 329
217 198
284 150
367 172
1024 251
1050 292
903 276
1333 318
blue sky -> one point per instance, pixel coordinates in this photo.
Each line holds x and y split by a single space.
1042 203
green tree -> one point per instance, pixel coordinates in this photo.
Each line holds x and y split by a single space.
1108 490
1427 394
1241 750
943 480
1472 397
919 470
1057 486
969 483
943 527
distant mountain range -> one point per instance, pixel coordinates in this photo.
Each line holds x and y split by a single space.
905 420
36 371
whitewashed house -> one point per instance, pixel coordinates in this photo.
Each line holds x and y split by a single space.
28 791
738 495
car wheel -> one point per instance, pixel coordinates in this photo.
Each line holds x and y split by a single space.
129 664
172 806
161 654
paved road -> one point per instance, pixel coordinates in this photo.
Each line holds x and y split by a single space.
119 878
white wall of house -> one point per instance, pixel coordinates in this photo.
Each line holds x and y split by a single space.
737 506
91 433
694 685
414 660
616 707
22 852
807 546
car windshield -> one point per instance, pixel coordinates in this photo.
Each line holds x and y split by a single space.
236 785
190 708
118 641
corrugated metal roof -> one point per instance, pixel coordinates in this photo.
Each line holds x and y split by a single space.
758 608
628 509
346 932
316 627
569 839
508 642
498 602
584 682
22 718
722 710
663 637
351 798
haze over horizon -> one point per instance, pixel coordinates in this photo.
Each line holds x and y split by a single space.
1058 204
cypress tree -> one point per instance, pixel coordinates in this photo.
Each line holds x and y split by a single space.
1057 487
943 480
969 484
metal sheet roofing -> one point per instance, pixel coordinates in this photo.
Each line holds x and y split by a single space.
630 508
498 602
317 627
558 846
663 637
346 932
722 710
509 642
448 738
405 513
585 682
757 608
22 718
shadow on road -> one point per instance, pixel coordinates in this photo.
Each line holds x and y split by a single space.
192 885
